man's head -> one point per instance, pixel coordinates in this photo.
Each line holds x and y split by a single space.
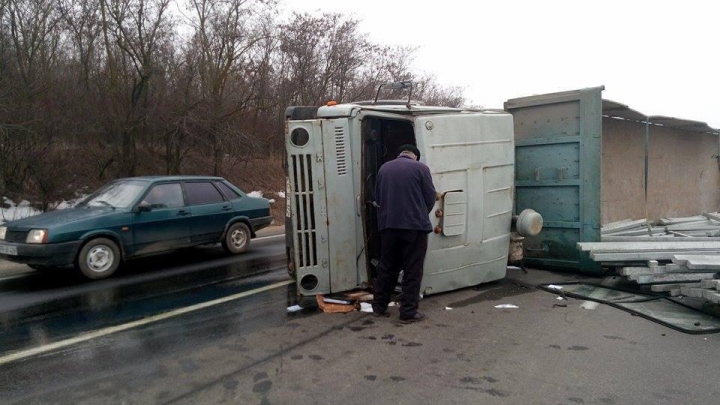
409 149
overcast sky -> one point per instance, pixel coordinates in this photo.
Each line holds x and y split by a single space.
658 57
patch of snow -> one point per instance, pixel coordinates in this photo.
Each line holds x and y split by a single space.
255 194
271 201
65 204
281 194
9 211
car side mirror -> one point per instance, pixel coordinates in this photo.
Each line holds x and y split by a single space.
143 207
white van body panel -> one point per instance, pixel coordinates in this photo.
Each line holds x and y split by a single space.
471 158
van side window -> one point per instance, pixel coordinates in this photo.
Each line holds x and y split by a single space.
165 196
229 193
199 193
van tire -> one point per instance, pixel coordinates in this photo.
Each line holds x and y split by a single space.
237 238
99 259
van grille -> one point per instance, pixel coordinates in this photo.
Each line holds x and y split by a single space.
340 151
304 200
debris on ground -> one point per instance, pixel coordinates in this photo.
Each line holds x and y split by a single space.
335 306
507 306
350 301
677 256
362 296
294 308
681 314
337 301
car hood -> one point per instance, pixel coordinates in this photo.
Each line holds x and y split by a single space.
58 217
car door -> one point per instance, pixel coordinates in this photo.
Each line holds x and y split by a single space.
161 220
210 211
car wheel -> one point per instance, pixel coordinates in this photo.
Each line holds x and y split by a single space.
99 258
237 238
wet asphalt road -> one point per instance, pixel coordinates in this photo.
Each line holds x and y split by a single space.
41 308
250 351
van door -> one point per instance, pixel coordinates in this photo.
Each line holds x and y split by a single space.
471 160
343 205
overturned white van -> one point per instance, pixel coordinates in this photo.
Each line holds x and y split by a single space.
333 156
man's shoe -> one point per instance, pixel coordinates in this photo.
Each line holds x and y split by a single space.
419 316
380 310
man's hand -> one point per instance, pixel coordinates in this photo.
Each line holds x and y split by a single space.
438 196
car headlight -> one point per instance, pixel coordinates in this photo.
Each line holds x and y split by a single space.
37 236
3 231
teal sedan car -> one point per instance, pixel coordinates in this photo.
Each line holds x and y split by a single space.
134 217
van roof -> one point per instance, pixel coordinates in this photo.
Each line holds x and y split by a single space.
393 107
172 178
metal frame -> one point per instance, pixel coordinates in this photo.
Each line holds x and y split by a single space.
555 246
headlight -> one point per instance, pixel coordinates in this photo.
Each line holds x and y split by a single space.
3 231
37 236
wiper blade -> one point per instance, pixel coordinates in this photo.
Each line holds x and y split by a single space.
105 203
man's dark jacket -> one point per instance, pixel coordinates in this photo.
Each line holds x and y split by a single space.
406 195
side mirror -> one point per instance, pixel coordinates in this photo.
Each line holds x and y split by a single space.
143 207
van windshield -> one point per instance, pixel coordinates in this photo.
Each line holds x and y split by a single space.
118 194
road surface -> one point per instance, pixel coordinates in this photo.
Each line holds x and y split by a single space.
200 327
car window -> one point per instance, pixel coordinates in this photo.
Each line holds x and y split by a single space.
165 196
118 194
202 193
229 193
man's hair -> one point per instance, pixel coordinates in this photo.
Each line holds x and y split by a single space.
410 148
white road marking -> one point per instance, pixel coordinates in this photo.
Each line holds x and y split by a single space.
269 237
607 282
130 325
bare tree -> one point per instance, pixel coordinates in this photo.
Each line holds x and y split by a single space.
139 28
226 34
96 89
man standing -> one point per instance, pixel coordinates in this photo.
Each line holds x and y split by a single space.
406 195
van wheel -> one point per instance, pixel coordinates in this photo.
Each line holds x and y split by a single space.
99 258
237 238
